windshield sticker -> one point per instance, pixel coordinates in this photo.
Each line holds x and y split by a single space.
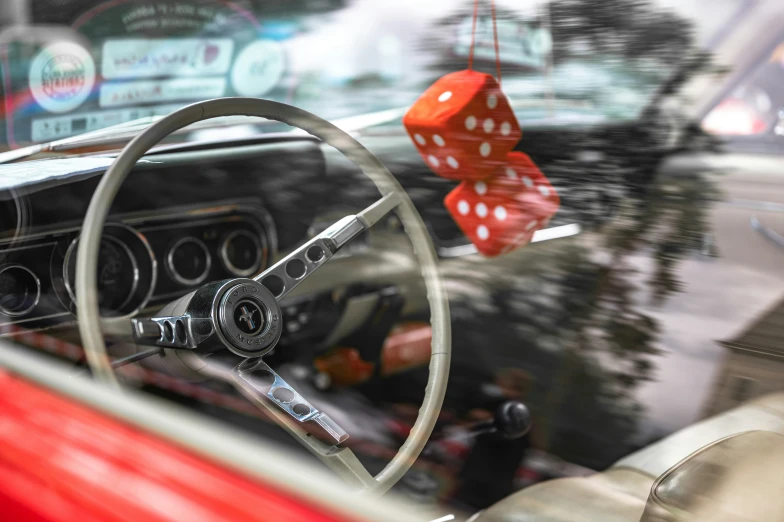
46 129
132 93
138 58
167 16
62 76
131 57
258 68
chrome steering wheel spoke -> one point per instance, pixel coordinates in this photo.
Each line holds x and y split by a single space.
285 275
183 332
263 386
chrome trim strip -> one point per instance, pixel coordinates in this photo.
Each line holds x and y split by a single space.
15 322
768 233
752 204
30 247
456 251
546 234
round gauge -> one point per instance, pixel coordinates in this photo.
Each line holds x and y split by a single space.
189 261
117 274
126 271
20 290
242 253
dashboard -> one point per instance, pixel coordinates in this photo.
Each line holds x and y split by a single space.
145 258
182 219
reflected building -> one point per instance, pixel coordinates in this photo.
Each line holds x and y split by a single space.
754 362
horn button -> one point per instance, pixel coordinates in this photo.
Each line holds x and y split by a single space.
248 319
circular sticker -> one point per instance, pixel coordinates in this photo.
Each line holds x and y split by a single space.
258 68
62 76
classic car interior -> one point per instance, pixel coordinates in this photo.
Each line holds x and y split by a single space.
152 257
242 236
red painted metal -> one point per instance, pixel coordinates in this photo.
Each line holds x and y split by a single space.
63 461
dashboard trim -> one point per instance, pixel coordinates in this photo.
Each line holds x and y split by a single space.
257 217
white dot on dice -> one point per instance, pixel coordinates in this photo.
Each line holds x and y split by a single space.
510 172
480 188
470 123
445 96
484 149
506 128
463 207
528 182
433 160
482 232
488 125
420 139
452 162
500 213
438 140
481 210
544 190
492 101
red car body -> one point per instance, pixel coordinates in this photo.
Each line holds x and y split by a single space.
63 461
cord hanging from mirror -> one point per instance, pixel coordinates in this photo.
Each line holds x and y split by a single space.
495 40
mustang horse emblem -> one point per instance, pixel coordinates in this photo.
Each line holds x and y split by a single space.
247 317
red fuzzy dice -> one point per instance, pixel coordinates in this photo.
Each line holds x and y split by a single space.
502 212
463 126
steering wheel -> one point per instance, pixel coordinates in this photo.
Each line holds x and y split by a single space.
244 315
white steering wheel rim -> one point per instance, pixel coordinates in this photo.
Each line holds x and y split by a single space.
89 244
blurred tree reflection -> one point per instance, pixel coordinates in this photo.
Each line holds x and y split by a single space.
631 29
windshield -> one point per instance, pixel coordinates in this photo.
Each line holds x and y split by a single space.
78 66
601 283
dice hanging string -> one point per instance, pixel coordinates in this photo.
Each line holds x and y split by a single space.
495 39
495 42
473 37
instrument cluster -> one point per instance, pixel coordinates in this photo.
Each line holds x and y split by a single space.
144 259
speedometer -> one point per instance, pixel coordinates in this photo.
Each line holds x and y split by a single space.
118 274
126 271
